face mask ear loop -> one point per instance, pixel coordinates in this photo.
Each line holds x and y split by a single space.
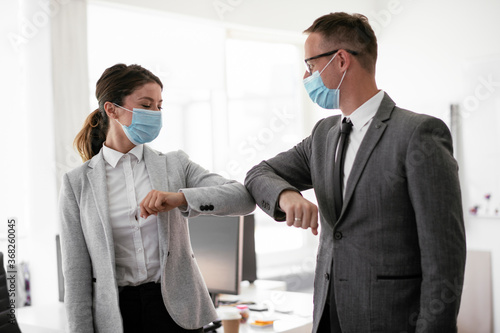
342 79
328 63
121 107
119 122
338 94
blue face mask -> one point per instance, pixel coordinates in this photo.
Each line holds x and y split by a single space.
145 126
319 93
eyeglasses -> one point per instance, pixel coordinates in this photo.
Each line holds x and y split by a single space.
308 65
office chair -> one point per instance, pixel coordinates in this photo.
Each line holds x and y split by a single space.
8 322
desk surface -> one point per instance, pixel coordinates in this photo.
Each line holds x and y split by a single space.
49 318
291 311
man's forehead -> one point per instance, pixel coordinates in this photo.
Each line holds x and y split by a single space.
314 45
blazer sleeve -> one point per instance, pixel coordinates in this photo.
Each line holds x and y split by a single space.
433 185
210 193
76 263
288 170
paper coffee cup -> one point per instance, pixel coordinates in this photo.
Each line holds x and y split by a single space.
230 318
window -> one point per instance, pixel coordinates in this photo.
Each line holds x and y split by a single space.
228 102
187 56
263 101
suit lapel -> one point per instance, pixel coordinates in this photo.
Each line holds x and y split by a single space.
372 137
98 183
156 165
333 136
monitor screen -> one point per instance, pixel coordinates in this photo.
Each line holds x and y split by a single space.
224 250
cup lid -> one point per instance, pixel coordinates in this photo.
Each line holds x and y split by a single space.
228 313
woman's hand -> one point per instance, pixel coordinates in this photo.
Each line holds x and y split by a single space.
157 201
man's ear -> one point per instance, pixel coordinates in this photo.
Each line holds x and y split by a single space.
110 109
344 59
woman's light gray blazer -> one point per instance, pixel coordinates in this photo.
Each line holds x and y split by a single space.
91 291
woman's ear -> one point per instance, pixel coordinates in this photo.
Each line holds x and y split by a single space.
110 109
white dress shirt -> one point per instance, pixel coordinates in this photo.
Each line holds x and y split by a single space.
135 239
361 119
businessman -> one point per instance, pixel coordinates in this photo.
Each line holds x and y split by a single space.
392 249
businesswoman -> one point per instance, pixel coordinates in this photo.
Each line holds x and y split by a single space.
127 259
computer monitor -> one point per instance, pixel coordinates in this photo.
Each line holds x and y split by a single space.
224 248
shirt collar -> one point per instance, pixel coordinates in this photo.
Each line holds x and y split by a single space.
112 157
362 115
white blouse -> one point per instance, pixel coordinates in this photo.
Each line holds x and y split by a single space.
135 239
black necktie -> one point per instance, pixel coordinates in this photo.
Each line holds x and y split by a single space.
338 171
338 175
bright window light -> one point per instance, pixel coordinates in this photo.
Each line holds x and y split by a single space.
229 103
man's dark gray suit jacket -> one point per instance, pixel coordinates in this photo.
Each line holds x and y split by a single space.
398 247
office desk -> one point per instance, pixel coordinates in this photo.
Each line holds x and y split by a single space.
291 311
42 319
37 329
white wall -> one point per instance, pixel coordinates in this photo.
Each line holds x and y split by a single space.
27 136
13 183
425 46
290 15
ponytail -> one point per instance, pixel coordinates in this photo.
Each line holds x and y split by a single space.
88 142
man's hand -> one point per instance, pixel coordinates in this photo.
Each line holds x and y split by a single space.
300 212
158 201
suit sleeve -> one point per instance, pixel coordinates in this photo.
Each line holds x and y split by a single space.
76 264
434 190
288 170
210 193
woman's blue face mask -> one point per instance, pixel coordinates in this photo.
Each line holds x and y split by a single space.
145 126
319 93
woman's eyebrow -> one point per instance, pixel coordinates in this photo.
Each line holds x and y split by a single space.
149 98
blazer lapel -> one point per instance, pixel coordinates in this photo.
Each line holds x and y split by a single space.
156 165
98 183
333 137
372 137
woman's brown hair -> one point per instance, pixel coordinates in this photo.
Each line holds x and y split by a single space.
116 83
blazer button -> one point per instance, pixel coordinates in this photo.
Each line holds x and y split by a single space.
202 208
211 207
337 235
327 276
265 205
